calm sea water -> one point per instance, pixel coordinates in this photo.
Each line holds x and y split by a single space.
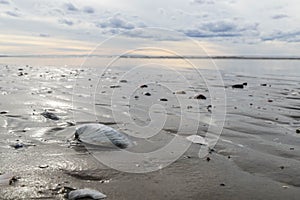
244 66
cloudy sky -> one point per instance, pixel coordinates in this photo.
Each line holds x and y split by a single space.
222 27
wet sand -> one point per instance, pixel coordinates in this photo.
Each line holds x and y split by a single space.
256 157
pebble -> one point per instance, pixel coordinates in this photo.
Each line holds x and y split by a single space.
115 86
240 86
298 131
200 96
85 193
147 94
50 115
143 86
163 99
180 92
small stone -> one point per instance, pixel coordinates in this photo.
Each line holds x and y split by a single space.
240 86
50 115
143 86
298 131
115 86
263 84
123 81
18 145
147 94
222 184
180 92
163 99
207 159
281 167
3 112
200 96
245 84
43 166
270 100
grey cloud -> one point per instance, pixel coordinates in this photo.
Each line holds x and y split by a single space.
279 16
288 36
4 2
222 29
70 7
88 9
12 13
66 22
204 1
116 22
44 35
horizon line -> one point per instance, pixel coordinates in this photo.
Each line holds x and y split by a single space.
250 57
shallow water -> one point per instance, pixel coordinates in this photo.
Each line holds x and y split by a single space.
259 131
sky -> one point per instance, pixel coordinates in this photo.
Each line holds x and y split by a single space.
188 27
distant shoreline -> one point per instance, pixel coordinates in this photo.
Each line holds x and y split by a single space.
159 57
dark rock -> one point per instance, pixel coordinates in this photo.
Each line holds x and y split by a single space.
163 99
123 81
43 166
245 84
50 115
115 86
270 100
263 84
222 184
143 86
281 167
136 97
298 131
147 94
3 112
200 96
207 159
17 145
240 86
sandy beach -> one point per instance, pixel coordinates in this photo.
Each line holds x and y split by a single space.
257 155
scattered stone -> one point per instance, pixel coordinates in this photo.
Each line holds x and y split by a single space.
189 107
3 112
240 86
20 69
197 139
263 84
209 107
147 94
18 145
123 81
298 131
143 86
163 99
13 180
43 166
200 96
180 92
292 148
228 157
85 193
270 100
20 74
222 184
281 167
245 84
102 135
50 115
136 97
207 159
115 86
